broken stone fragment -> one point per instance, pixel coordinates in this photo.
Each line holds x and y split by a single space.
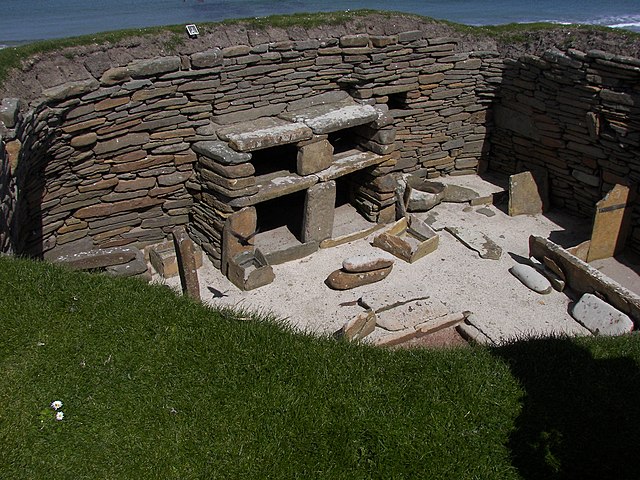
477 241
457 194
487 212
9 108
422 329
341 280
530 278
556 281
137 266
421 195
600 317
366 263
358 327
409 314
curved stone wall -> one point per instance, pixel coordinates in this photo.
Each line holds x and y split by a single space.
108 161
121 154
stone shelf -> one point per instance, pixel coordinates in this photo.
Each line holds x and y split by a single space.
264 133
329 118
348 162
273 185
278 184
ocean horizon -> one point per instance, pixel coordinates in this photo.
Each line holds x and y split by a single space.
26 21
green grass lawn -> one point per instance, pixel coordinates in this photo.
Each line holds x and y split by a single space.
157 386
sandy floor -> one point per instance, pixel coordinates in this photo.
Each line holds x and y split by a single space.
503 308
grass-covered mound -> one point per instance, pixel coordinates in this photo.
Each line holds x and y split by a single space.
513 39
157 386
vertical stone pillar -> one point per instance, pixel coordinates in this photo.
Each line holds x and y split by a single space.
319 212
610 226
314 155
238 235
187 267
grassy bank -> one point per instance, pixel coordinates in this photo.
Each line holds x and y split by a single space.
157 386
172 36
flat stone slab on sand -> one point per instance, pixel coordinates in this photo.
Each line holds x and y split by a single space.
531 278
600 317
477 241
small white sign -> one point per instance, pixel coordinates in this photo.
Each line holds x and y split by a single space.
192 30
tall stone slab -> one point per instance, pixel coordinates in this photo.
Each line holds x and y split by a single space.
611 223
319 212
528 193
238 235
187 267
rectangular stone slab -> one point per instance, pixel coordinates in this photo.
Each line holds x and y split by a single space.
527 193
331 118
611 223
275 185
99 258
349 162
264 133
583 278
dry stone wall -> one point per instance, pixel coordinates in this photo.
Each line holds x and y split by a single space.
575 115
113 157
108 161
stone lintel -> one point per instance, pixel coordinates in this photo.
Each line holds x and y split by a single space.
275 185
221 152
349 162
264 133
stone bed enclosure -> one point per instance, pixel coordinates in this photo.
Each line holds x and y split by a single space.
232 141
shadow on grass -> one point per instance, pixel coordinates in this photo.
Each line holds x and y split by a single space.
580 414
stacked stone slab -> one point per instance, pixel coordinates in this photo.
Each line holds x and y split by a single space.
105 156
575 115
107 160
8 197
224 217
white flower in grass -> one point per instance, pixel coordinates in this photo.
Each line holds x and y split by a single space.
56 405
60 416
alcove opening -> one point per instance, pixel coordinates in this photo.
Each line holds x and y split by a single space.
344 141
279 222
269 161
397 101
348 218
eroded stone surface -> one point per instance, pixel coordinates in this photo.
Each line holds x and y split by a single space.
526 194
358 327
610 224
341 280
531 278
458 194
477 241
263 133
600 317
329 118
221 152
99 258
366 263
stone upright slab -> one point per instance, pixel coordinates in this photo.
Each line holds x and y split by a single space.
319 212
600 317
611 224
238 235
314 157
527 193
186 255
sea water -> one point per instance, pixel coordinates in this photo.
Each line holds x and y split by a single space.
28 20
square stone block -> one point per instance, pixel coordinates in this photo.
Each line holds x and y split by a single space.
314 157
